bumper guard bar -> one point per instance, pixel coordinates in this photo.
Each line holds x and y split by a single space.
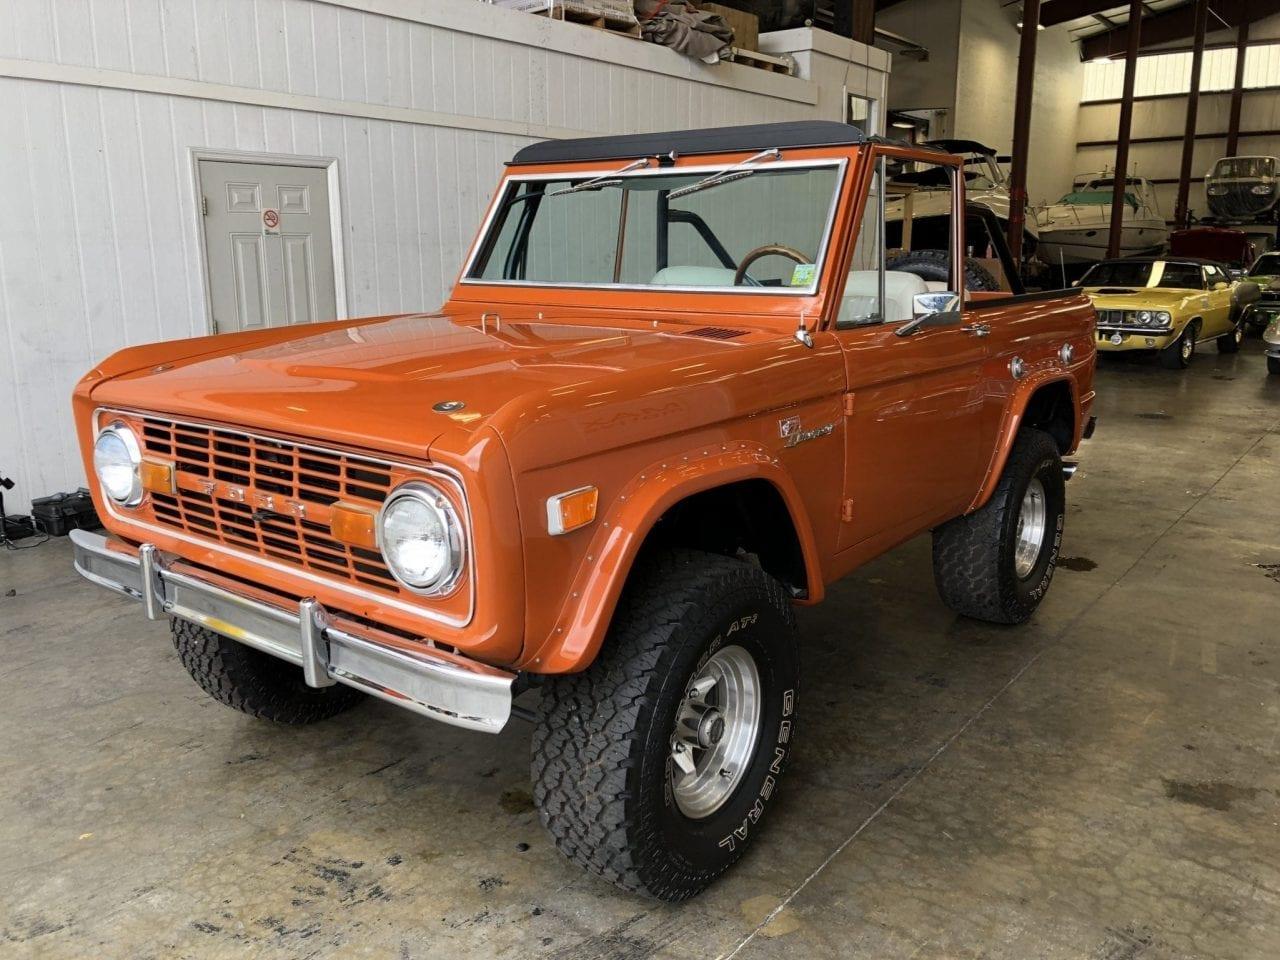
442 686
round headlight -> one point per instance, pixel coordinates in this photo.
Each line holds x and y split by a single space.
1144 317
116 457
1163 318
421 538
1261 189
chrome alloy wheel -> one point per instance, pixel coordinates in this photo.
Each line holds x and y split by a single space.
717 726
1188 346
1031 529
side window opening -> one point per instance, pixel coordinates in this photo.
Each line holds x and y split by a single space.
904 243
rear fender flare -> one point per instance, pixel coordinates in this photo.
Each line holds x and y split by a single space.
1015 411
589 603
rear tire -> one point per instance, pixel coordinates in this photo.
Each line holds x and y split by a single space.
996 563
608 748
1230 342
254 682
1178 355
1273 365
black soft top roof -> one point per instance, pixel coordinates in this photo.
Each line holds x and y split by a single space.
759 136
961 146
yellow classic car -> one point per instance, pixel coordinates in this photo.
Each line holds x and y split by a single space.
1168 305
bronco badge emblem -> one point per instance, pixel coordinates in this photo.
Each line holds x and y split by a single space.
792 435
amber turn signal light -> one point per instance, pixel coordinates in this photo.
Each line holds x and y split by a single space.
357 526
157 476
569 511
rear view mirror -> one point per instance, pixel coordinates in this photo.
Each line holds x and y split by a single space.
940 301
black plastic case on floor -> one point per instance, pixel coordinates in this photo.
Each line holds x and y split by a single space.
61 513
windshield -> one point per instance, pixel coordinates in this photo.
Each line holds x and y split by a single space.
760 229
1144 273
1245 167
1267 265
1096 198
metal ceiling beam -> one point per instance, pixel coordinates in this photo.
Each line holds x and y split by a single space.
1054 12
1176 24
1237 92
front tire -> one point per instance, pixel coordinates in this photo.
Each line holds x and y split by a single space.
1178 355
1273 365
254 682
644 771
996 563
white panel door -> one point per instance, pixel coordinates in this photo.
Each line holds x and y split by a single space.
268 244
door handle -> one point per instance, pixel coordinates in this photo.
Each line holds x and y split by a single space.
977 329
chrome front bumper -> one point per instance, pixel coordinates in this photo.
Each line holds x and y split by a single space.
462 692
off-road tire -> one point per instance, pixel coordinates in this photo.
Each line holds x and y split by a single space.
1173 357
973 555
254 682
936 265
1230 342
602 771
1273 365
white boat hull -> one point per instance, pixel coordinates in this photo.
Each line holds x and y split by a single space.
1088 244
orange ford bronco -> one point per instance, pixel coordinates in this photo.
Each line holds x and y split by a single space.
683 383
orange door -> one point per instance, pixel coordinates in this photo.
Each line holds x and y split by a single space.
912 450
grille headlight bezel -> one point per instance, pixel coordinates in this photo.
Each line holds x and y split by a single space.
127 452
435 508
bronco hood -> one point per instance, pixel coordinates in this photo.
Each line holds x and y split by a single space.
374 384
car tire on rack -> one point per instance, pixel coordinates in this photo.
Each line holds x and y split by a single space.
1230 342
254 682
1178 355
996 563
935 265
655 767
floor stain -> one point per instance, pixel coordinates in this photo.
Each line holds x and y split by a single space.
1210 794
516 802
1159 415
756 911
1270 570
1083 564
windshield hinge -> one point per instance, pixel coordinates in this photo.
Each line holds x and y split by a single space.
848 404
846 511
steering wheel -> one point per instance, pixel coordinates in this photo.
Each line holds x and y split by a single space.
768 250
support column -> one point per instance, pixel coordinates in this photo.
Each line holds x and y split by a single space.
1133 38
1181 214
1237 91
1022 126
856 19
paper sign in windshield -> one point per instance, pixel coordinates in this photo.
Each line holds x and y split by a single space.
803 274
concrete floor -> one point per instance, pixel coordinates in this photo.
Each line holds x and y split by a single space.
1101 783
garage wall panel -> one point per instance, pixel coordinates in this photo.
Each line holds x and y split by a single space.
99 242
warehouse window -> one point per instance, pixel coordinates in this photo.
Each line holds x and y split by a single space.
1170 73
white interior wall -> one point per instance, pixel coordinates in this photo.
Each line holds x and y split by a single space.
420 102
972 72
986 82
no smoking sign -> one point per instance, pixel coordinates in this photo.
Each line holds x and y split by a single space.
270 221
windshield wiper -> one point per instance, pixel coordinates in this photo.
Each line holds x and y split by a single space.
727 175
602 181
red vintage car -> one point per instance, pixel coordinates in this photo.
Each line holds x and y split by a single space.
1230 247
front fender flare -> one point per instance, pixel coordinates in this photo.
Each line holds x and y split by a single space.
588 607
1015 410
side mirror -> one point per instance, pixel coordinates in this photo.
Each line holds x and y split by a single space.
931 309
941 301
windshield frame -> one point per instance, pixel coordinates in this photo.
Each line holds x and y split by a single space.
515 178
1270 256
